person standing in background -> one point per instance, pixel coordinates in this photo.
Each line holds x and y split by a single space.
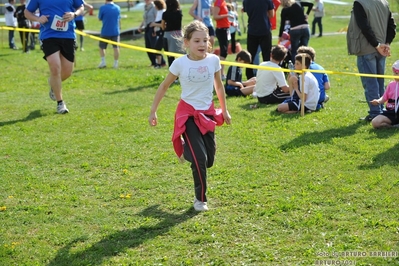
259 29
110 16
80 25
294 16
160 5
10 22
233 26
150 14
57 33
220 14
23 23
318 15
202 10
171 24
371 30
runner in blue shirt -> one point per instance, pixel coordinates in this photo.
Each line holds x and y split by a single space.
57 34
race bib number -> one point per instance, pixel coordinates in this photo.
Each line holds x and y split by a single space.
206 13
59 24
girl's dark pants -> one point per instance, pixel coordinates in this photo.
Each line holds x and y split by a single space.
199 150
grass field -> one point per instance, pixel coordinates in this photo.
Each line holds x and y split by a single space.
99 186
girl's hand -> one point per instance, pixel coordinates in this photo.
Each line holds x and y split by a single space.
374 102
227 117
153 119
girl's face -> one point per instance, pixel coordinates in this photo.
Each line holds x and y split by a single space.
298 65
396 73
197 45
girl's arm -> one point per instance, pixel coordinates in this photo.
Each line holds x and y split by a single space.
163 25
163 87
219 88
378 101
215 13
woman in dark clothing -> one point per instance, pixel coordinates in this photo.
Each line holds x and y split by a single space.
171 24
293 14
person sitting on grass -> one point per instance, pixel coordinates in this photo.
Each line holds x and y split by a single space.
389 117
234 84
322 78
310 90
271 86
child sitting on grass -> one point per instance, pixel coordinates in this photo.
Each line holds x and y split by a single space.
389 117
271 86
310 90
234 84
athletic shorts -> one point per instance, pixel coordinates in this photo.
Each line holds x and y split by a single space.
222 36
295 106
103 45
211 31
80 24
233 91
65 46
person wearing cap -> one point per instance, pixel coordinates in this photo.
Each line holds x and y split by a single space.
389 117
371 29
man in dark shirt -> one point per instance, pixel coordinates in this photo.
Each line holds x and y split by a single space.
259 29
377 25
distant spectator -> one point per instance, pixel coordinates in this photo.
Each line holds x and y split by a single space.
318 15
293 14
271 86
310 89
110 16
221 15
234 84
150 14
80 25
233 27
10 22
259 29
172 26
389 116
23 23
322 78
160 5
202 10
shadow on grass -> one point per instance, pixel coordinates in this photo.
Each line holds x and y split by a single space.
138 88
118 242
32 115
321 136
388 157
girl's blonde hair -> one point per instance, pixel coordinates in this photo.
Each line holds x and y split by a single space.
194 26
287 3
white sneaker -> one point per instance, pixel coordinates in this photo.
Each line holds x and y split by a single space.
115 65
51 92
326 98
102 65
62 109
254 94
200 206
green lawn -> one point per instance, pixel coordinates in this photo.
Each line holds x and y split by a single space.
99 186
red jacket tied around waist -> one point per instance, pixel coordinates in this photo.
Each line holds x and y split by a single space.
201 119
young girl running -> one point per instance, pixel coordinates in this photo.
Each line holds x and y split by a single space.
195 117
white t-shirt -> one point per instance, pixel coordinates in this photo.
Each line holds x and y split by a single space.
196 79
311 89
320 9
11 21
267 80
